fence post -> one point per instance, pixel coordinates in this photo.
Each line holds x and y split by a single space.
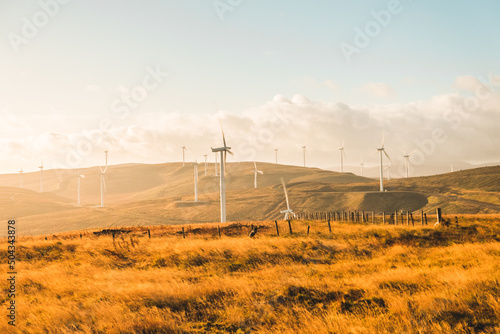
183 233
149 233
277 228
408 218
412 221
383 217
290 226
425 217
438 212
308 227
396 217
218 230
330 226
422 217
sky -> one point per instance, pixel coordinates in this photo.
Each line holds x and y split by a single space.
143 78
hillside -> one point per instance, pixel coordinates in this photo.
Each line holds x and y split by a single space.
355 279
139 194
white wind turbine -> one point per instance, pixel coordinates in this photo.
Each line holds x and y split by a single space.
342 155
304 154
223 152
276 155
41 176
255 172
407 162
205 164
362 164
380 150
103 181
183 155
195 164
21 178
288 212
78 180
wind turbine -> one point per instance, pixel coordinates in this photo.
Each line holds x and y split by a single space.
380 150
41 176
79 177
407 162
304 154
183 155
288 212
342 155
103 182
195 164
276 155
21 178
255 171
205 164
362 164
223 152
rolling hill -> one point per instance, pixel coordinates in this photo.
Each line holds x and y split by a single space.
141 194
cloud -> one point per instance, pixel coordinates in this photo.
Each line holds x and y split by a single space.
445 128
378 90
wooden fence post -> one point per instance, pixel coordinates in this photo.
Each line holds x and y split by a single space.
425 217
149 233
218 230
308 227
412 221
383 217
277 228
407 218
290 226
183 233
438 213
422 217
396 217
330 226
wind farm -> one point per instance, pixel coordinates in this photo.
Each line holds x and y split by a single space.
347 180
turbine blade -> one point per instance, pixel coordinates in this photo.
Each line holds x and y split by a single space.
286 193
255 165
260 172
387 155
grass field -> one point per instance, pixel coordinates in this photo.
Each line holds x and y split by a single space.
357 279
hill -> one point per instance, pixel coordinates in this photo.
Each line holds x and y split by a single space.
139 194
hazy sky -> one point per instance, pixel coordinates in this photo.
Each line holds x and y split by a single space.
141 78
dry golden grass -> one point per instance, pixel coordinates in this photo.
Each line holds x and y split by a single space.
358 279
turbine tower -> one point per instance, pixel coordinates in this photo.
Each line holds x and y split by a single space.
41 176
183 155
205 164
223 152
304 154
195 164
362 164
255 172
407 163
288 212
103 181
342 155
79 177
21 178
380 150
276 155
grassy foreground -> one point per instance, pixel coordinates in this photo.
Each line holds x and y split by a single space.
357 279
